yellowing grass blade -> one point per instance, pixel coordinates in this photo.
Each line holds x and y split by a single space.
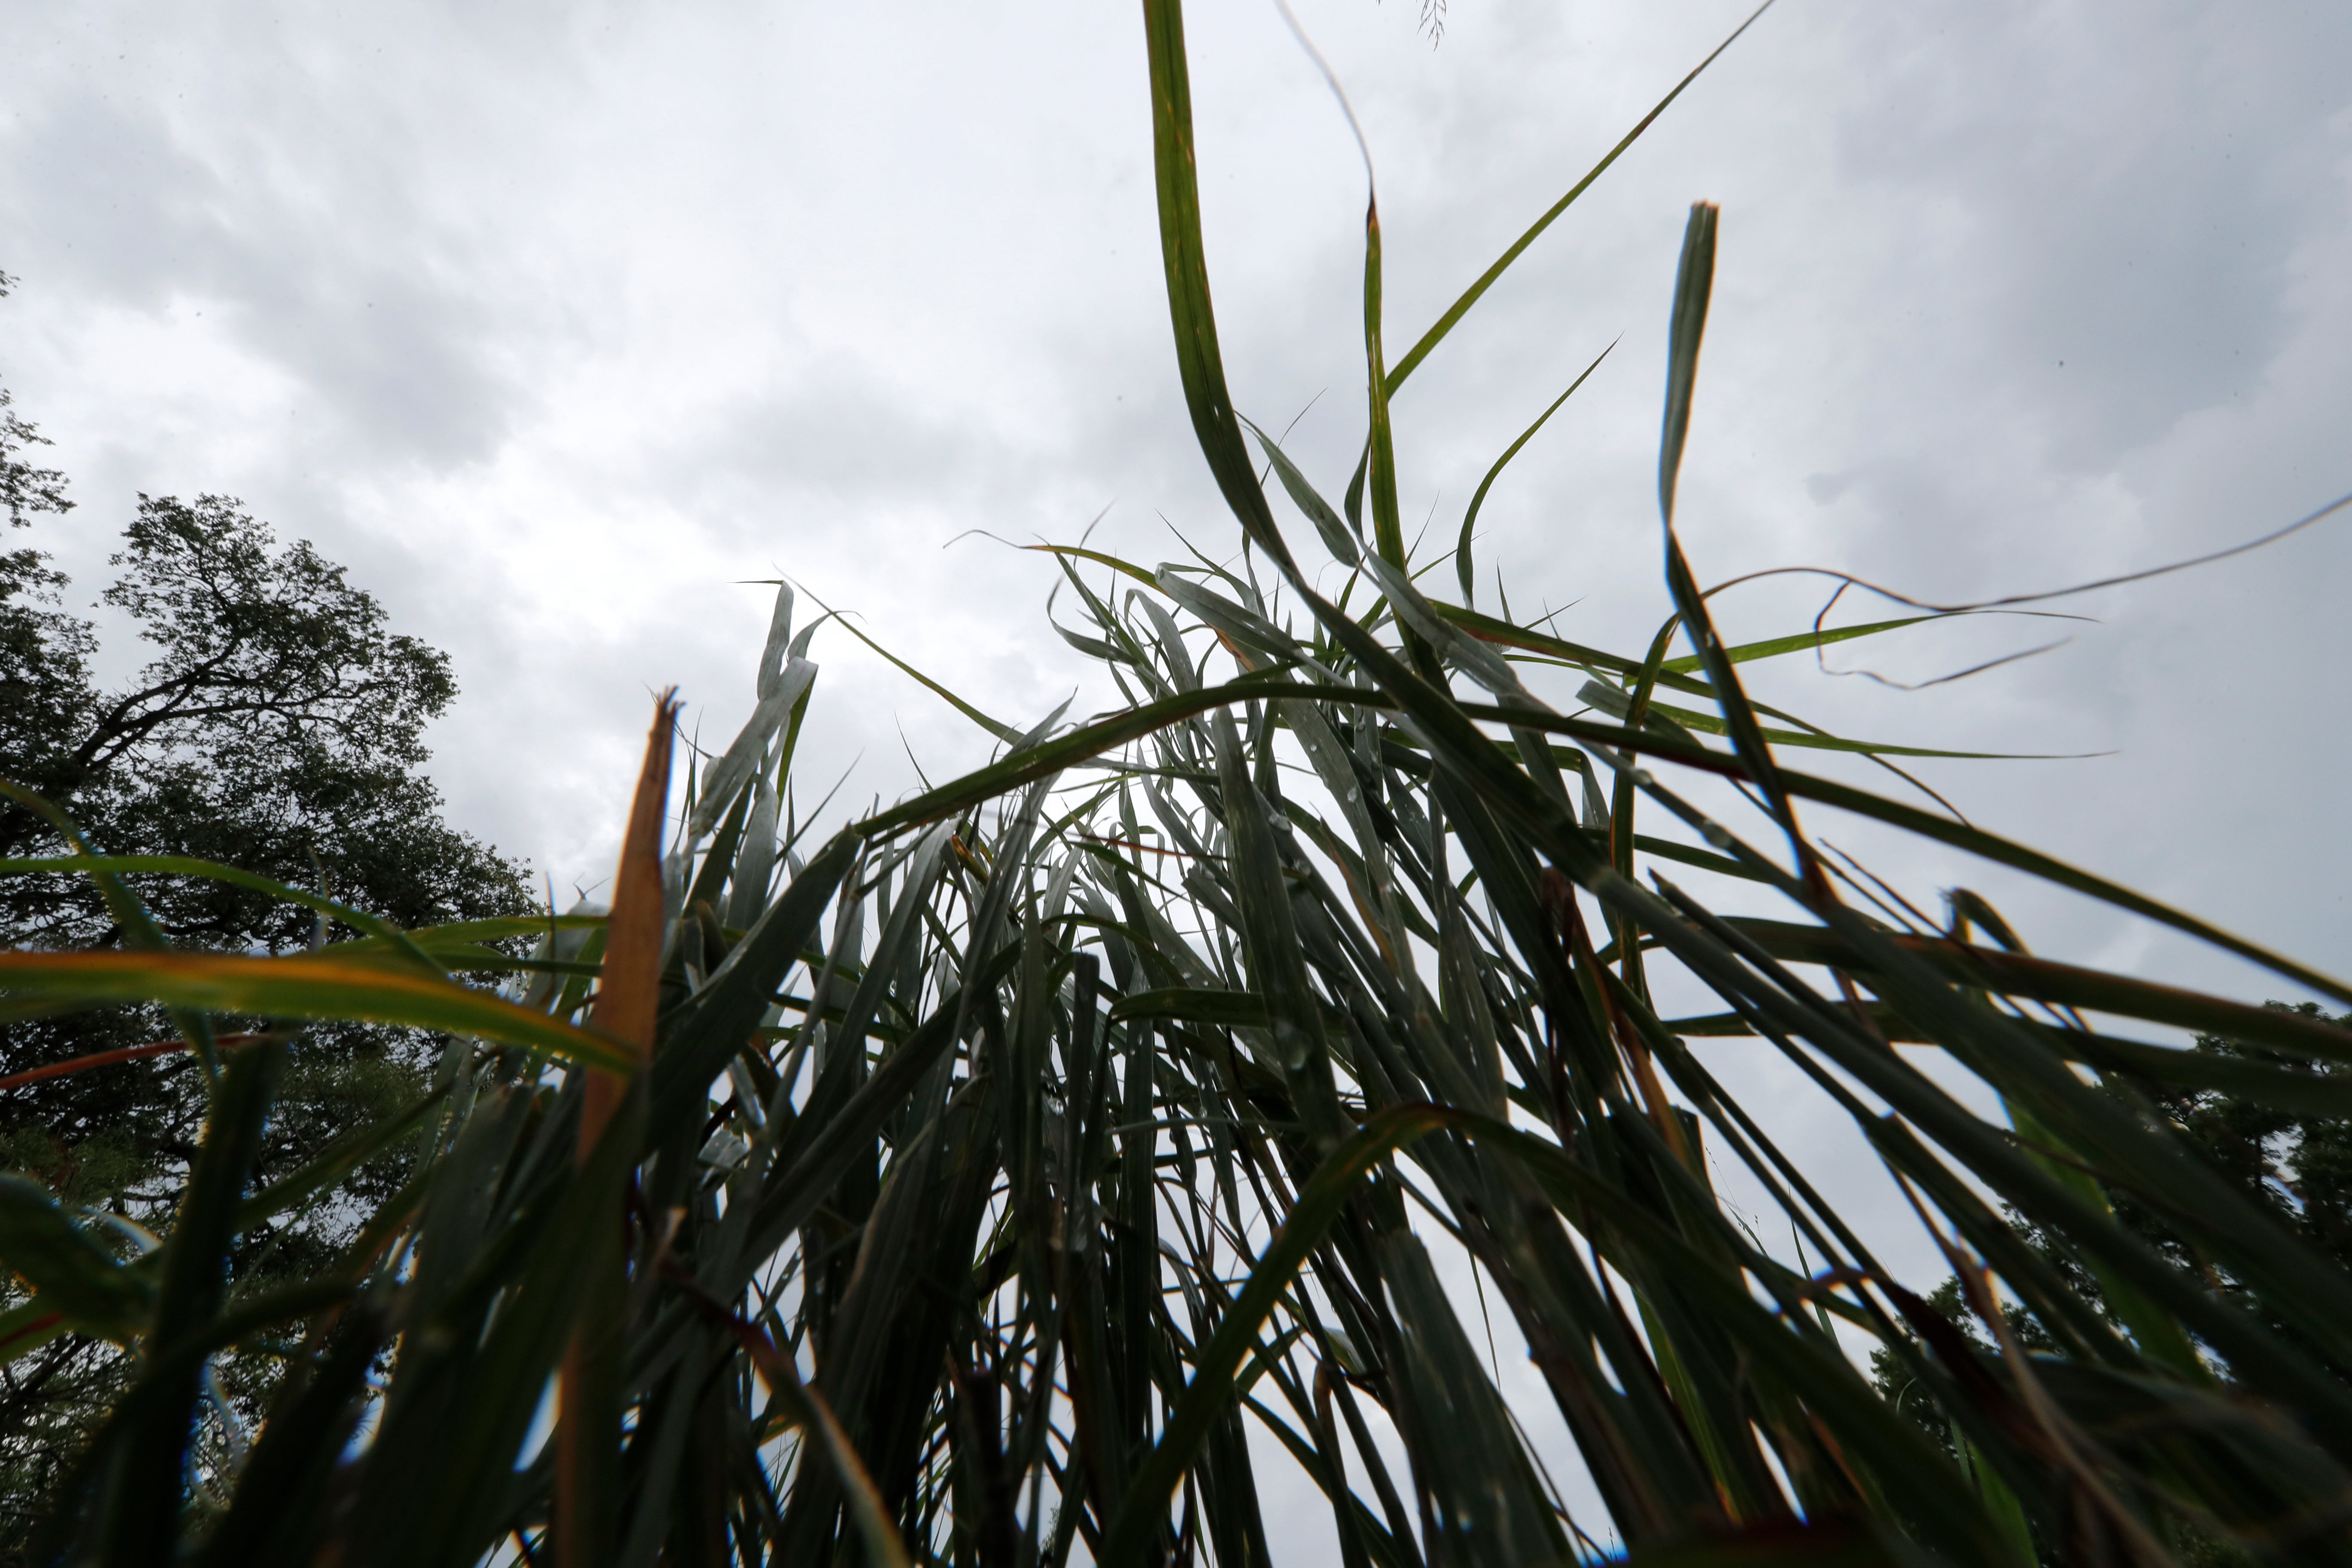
35 984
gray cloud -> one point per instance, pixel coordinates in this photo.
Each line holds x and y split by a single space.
392 341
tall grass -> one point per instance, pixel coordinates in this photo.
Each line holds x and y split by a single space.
968 1186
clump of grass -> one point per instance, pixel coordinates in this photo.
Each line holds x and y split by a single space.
964 1191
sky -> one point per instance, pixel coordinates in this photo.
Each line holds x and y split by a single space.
565 325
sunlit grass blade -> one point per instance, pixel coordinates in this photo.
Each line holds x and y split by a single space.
140 932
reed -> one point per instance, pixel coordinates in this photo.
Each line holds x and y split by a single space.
999 1164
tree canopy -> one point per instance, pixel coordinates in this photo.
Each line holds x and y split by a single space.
277 726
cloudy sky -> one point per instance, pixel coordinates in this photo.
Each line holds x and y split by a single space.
557 322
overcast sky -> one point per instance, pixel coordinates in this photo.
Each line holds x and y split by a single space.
555 322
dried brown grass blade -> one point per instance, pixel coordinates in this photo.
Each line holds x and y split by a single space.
588 1430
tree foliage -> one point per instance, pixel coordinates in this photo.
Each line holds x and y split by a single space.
277 726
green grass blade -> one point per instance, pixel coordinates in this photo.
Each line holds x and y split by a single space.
1086 741
1959 835
2072 986
140 932
1470 296
1199 360
1381 481
1338 537
1478 497
71 1274
1207 1395
186 866
696 1045
997 728
141 1502
1772 647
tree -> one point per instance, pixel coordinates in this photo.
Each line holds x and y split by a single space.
23 487
279 729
